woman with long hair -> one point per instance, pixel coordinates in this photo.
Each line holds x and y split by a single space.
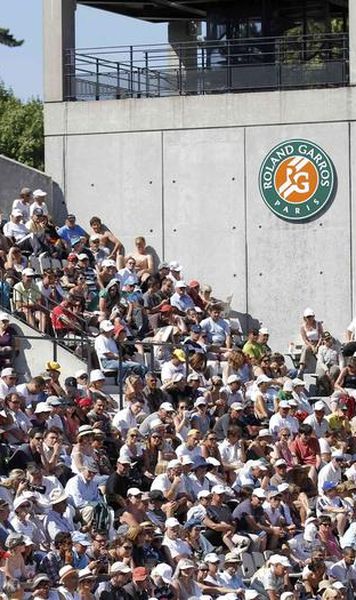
238 364
83 451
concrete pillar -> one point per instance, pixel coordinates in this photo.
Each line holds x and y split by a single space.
183 32
352 37
58 36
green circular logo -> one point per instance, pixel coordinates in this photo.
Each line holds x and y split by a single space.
297 180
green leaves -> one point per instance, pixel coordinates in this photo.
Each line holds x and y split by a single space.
21 129
8 39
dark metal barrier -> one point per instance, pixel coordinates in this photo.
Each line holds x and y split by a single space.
252 64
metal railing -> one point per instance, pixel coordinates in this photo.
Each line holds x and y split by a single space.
251 64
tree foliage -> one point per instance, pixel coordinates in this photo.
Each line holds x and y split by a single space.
8 39
21 129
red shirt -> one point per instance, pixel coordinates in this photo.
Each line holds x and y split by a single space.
305 451
57 312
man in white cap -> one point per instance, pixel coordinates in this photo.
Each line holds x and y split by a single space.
331 471
180 299
165 415
170 483
282 418
8 379
317 419
250 519
83 492
23 202
232 390
15 228
126 418
112 590
27 296
178 548
39 197
270 580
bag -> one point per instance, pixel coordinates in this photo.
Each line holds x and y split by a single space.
101 517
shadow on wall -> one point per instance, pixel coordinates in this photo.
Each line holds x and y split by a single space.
247 321
59 208
21 365
156 258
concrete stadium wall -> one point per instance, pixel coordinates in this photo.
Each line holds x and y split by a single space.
15 175
183 172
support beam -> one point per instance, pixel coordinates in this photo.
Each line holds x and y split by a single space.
58 36
352 37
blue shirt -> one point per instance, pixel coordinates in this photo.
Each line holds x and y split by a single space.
70 233
81 492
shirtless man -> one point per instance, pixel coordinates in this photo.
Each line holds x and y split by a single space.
107 238
144 261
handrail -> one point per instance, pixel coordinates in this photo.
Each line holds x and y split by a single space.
200 67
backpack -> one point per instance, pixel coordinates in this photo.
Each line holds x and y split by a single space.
101 517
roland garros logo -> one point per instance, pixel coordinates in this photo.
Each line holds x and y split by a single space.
297 179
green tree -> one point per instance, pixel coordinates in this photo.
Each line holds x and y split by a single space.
8 39
21 129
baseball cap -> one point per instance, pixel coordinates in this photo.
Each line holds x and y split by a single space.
83 256
53 365
39 193
175 266
193 377
156 495
195 328
139 574
232 557
263 331
259 492
80 538
167 406
214 462
38 211
236 406
203 494
4 316
284 404
163 571
308 312
173 464
163 265
80 373
28 272
119 567
297 381
200 402
96 375
70 382
280 463
25 191
8 372
84 402
180 354
211 557
42 407
329 485
233 379
39 579
264 433
319 405
54 401
108 262
76 240
181 284
262 379
171 522
134 492
218 489
288 386
106 326
279 559
16 213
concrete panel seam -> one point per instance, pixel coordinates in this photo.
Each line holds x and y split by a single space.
202 128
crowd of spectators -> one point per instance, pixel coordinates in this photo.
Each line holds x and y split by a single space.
219 476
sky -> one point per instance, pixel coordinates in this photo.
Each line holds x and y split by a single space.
21 67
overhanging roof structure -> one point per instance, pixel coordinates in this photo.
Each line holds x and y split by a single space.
169 10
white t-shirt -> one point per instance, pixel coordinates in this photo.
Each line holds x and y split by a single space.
177 547
15 230
162 483
103 345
